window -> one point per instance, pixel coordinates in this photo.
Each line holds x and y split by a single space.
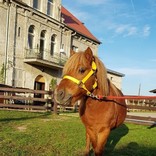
50 8
31 37
52 46
19 31
42 42
36 4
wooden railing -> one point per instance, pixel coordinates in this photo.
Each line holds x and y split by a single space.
40 100
139 106
26 99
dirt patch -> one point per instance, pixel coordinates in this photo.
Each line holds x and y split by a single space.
21 128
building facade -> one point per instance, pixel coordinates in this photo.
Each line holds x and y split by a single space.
35 41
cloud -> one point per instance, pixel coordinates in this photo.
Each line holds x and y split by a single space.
127 30
117 19
146 30
132 31
124 30
121 29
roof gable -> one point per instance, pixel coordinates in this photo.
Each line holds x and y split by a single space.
76 25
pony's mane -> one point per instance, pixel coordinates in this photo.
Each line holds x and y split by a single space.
74 62
78 59
102 77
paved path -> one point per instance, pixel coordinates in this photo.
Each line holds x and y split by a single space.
144 114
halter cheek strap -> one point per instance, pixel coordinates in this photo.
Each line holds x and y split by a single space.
81 83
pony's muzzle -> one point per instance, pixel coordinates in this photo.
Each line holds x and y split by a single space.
62 97
61 94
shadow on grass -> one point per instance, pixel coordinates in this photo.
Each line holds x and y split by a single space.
132 149
115 137
152 126
25 117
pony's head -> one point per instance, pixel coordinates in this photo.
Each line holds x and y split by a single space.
82 74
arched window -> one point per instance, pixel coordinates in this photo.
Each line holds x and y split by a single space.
53 43
50 8
42 41
36 4
31 36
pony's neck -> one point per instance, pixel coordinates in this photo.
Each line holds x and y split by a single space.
99 91
111 91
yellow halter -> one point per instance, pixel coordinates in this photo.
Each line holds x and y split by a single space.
81 83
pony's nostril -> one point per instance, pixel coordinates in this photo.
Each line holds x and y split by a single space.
61 94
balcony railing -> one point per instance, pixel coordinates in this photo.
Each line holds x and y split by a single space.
59 59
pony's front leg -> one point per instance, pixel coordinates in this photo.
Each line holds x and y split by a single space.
101 141
87 149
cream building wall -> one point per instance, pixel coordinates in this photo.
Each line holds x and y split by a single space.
20 69
115 78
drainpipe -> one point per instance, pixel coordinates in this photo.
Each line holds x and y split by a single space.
14 50
7 42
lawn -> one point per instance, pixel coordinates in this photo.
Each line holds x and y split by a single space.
44 134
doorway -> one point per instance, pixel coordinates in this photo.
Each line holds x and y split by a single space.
39 84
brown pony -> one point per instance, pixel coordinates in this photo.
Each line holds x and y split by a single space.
85 75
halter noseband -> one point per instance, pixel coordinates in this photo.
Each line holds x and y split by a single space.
81 83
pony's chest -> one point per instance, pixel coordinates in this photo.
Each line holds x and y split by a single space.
97 113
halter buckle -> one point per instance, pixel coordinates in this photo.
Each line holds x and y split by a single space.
80 84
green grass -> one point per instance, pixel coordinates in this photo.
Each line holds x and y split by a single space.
44 134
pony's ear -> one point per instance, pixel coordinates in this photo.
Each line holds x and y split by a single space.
72 52
89 54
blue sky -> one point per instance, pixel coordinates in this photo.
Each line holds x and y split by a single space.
127 30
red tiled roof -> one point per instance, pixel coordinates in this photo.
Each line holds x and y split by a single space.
76 25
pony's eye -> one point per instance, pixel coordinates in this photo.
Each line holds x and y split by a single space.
82 70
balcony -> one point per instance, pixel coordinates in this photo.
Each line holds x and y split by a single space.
44 58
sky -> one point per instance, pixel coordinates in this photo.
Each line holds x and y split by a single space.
127 30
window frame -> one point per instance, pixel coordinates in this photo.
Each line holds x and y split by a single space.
42 42
50 8
31 36
53 44
37 4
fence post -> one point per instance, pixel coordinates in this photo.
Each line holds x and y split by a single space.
55 107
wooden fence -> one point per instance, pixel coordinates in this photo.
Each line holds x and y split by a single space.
146 106
141 105
40 100
26 99
136 106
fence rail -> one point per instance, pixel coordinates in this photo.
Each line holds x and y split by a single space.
151 121
143 105
136 107
27 99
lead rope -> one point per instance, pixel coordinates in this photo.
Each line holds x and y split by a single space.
106 98
97 97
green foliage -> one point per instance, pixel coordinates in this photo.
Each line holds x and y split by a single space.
53 84
27 133
2 72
